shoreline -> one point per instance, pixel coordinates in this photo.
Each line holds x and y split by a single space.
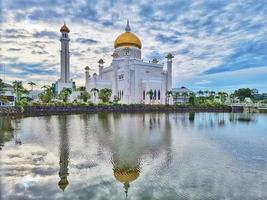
120 108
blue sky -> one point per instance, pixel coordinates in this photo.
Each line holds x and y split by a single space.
217 44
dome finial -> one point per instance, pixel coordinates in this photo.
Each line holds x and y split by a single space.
127 28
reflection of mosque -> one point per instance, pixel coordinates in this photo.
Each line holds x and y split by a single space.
132 138
64 152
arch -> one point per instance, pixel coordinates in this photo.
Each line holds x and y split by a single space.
158 94
155 95
144 94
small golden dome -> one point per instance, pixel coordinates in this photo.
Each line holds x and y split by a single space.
63 183
126 176
64 28
127 39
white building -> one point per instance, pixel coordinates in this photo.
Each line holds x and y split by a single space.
64 81
8 94
129 77
181 95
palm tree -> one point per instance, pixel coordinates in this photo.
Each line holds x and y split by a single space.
95 92
105 94
168 95
150 93
47 95
84 96
200 93
2 92
32 84
19 89
64 94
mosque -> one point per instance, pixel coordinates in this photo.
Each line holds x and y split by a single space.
130 78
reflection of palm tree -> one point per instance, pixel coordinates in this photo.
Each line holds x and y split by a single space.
64 153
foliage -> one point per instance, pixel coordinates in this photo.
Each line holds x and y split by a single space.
19 90
168 95
84 96
64 94
116 100
150 94
2 92
47 95
242 93
95 91
32 84
104 95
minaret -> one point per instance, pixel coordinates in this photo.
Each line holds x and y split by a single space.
65 55
101 66
169 72
87 76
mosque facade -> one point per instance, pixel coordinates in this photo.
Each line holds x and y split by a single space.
131 80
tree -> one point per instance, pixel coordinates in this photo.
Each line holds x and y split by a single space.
222 96
116 99
64 94
150 93
3 98
242 93
95 91
168 95
32 84
192 99
105 94
200 93
84 96
47 95
19 90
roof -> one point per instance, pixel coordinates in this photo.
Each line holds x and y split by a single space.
181 90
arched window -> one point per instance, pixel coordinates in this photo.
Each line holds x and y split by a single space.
144 95
155 95
158 94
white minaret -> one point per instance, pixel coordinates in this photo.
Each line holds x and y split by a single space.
101 66
169 71
65 55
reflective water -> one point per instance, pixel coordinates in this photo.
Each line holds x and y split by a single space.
141 156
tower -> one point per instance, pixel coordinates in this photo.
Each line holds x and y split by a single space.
87 75
101 66
65 55
169 72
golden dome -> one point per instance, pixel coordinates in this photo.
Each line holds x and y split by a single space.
127 39
64 28
126 176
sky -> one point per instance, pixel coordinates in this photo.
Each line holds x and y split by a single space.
217 44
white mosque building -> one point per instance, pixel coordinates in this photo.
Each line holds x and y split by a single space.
129 77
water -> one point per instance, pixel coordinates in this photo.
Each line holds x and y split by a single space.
141 156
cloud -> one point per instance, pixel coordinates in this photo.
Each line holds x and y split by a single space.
86 41
48 34
247 54
206 37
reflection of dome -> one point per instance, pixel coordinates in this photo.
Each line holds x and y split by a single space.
127 39
125 175
63 183
64 28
